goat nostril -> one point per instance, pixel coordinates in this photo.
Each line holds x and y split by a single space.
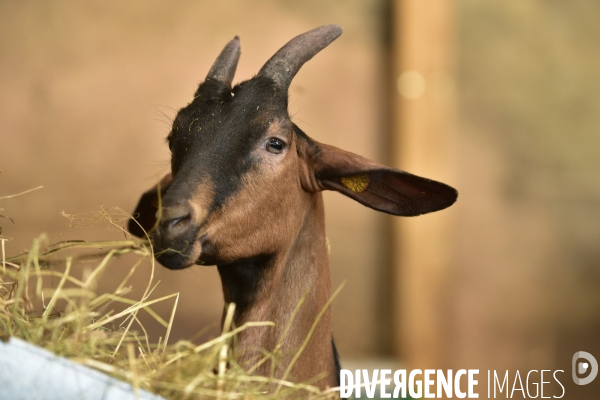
175 216
177 221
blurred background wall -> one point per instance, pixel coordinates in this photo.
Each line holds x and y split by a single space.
525 281
499 99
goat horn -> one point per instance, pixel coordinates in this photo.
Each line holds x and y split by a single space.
284 64
224 67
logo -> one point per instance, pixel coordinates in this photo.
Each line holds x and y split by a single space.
581 367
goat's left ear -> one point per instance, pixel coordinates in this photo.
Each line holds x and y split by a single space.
373 185
144 215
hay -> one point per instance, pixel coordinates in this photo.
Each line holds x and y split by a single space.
74 321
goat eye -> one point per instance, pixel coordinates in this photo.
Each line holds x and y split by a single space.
275 145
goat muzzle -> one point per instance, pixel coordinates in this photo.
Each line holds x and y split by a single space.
174 241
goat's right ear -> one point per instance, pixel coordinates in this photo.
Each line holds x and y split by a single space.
373 185
144 216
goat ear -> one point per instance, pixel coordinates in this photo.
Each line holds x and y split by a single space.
376 186
144 216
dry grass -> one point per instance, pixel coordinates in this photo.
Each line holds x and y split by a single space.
104 331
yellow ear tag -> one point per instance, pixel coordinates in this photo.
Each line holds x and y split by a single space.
356 183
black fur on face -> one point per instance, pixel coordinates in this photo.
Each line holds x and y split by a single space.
212 142
214 135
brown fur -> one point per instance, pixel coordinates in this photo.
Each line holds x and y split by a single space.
297 241
257 211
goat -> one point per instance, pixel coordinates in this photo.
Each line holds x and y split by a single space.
244 194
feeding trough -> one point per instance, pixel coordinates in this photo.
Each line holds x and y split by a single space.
30 372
